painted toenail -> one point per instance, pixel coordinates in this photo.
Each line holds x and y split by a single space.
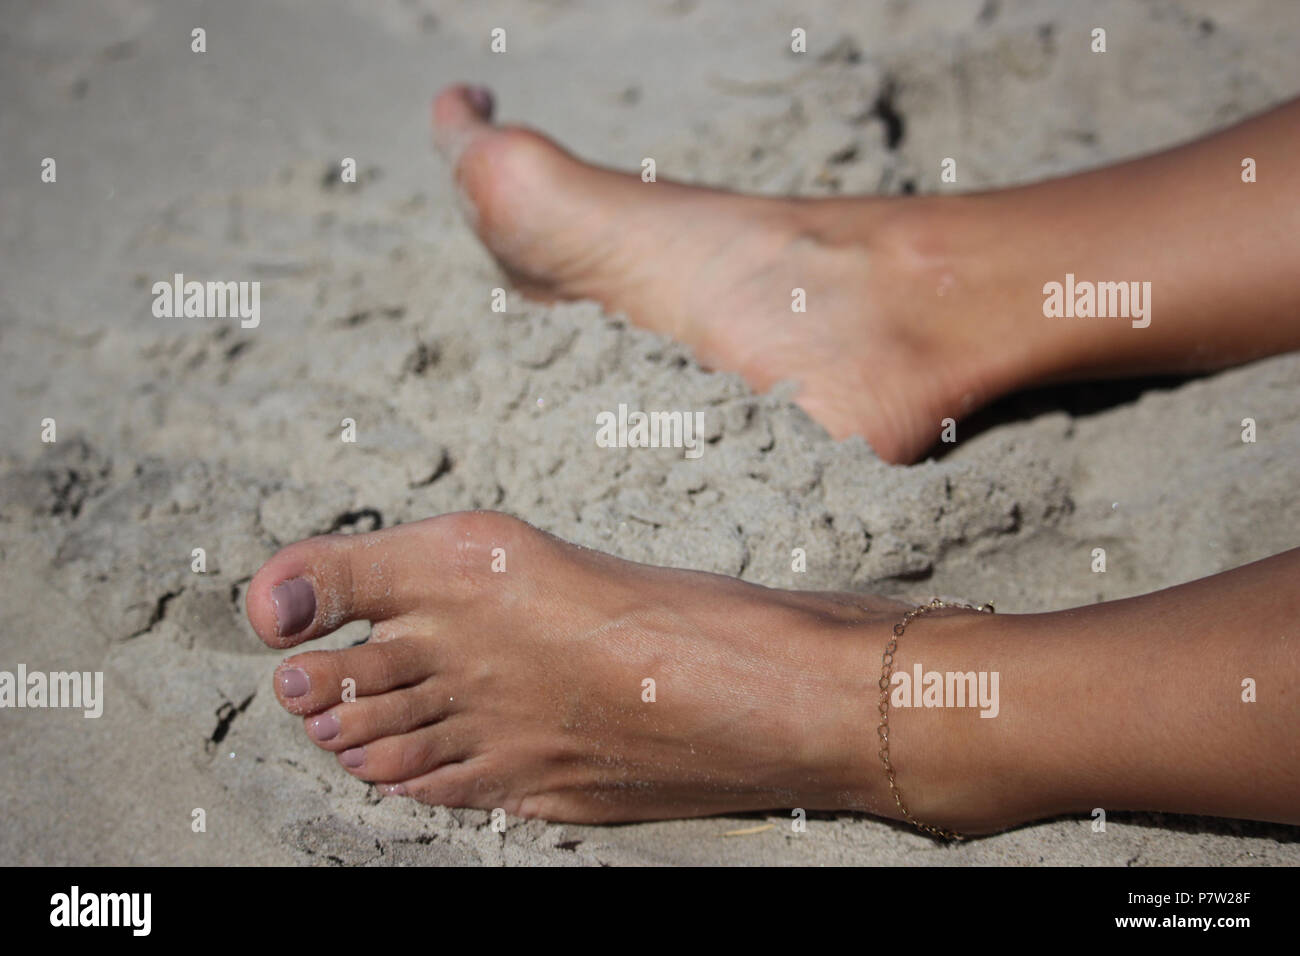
324 727
294 682
295 606
393 789
480 97
353 758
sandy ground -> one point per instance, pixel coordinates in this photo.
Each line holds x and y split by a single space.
175 434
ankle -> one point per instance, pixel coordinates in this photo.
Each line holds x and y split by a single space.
973 283
965 765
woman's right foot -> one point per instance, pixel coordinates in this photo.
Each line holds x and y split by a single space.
888 346
507 668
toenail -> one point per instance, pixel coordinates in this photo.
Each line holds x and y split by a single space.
324 727
294 682
353 758
393 790
480 97
295 606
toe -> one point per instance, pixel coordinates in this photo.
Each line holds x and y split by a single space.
511 179
308 683
457 784
462 105
398 758
313 587
344 726
502 171
460 113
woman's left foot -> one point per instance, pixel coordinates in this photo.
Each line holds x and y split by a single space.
891 338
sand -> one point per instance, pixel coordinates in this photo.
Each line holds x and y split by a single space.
176 434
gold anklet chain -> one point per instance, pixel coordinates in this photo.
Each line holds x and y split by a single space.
886 673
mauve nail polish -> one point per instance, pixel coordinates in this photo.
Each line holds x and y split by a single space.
353 758
325 727
295 606
480 97
294 682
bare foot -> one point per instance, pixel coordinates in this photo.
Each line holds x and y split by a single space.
527 689
879 352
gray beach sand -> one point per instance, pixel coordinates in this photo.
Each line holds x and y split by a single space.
176 434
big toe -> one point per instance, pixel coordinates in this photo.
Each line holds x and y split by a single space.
313 587
532 204
460 114
416 571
